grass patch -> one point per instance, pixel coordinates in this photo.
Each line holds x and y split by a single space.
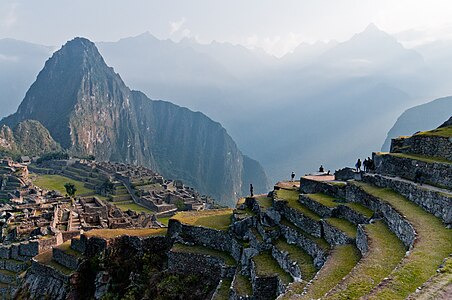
112 233
242 285
303 259
323 199
226 257
343 225
213 218
223 291
133 207
442 132
46 259
266 266
385 252
340 262
433 244
164 220
424 158
292 201
264 202
56 182
359 208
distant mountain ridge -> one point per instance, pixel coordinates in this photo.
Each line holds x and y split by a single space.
420 118
89 110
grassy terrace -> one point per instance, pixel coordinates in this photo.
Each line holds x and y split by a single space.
181 248
443 132
291 196
340 262
323 199
112 233
319 241
331 202
433 244
427 159
45 258
343 225
66 248
216 218
266 266
303 259
56 182
242 285
126 205
264 202
385 252
223 291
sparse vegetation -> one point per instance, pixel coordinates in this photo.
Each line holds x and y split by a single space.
292 196
57 182
442 132
266 266
112 233
217 219
226 257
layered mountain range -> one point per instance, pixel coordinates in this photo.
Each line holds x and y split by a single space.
313 106
89 110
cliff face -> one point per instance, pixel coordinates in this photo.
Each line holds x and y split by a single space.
90 111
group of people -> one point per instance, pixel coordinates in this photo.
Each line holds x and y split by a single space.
368 165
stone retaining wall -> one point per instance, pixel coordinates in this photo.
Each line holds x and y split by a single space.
265 287
308 186
437 173
189 263
395 221
434 202
362 240
211 238
292 236
286 263
351 215
334 236
321 210
424 145
296 217
64 259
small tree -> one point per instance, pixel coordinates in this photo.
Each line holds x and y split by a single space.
70 189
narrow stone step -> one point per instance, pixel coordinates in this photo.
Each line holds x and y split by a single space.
340 262
383 252
294 260
268 278
433 244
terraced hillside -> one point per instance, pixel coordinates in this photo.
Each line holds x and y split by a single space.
383 236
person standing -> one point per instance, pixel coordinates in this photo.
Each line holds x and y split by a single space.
251 190
292 176
358 165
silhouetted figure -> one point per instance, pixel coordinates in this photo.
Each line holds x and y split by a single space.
321 169
370 165
418 176
328 173
292 175
366 165
251 190
358 165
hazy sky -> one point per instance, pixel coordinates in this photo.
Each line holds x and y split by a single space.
276 26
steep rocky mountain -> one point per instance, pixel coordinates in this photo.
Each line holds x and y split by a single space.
28 137
420 118
89 110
